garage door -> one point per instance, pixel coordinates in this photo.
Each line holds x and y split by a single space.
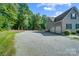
58 29
52 29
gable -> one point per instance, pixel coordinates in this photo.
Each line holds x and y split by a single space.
69 15
51 19
61 17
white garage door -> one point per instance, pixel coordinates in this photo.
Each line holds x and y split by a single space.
52 29
58 29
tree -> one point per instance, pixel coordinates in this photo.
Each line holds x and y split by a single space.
36 21
20 17
9 14
23 17
43 21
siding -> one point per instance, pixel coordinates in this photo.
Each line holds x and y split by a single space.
68 20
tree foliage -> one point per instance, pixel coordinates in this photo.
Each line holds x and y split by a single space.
20 17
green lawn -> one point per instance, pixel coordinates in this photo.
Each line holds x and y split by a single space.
7 43
76 37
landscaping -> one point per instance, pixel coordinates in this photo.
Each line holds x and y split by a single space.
7 43
68 32
72 35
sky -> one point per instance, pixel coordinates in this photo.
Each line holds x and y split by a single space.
51 9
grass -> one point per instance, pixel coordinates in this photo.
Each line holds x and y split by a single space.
74 37
7 43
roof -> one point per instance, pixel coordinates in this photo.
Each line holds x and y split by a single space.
51 18
61 16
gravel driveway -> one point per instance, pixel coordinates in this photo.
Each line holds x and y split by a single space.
30 43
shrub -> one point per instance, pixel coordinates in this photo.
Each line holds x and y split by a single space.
67 32
73 33
77 31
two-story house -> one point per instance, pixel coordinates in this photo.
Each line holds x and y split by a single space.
69 20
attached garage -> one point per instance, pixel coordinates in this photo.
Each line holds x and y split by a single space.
58 29
52 29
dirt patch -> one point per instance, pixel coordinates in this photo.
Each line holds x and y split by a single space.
17 31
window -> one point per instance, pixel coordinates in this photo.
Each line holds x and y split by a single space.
68 26
73 16
77 26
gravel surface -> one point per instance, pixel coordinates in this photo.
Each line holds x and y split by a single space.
31 43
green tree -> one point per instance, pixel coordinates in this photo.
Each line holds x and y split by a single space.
23 17
43 21
9 14
20 17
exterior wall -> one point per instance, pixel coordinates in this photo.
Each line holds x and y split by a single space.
56 27
52 29
49 25
68 20
60 26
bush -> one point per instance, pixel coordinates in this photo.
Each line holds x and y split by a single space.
73 33
67 32
77 31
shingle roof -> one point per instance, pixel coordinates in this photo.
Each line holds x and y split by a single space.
61 16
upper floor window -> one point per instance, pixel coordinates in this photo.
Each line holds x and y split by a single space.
73 16
77 26
68 26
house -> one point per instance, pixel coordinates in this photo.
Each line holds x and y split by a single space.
69 20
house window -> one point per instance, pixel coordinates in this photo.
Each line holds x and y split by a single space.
73 16
77 26
68 26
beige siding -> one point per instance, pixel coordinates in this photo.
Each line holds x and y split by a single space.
58 29
60 26
55 27
52 29
68 20
49 25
